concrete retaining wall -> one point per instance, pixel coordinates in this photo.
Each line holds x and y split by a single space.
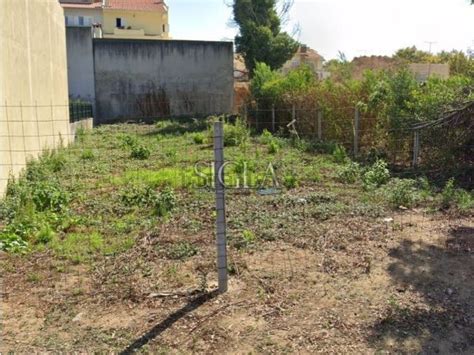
145 79
34 110
80 63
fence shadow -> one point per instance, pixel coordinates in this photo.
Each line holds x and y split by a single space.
443 277
168 322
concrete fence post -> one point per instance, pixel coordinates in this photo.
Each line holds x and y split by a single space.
416 147
320 125
356 131
221 239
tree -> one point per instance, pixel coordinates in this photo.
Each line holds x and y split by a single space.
413 55
260 38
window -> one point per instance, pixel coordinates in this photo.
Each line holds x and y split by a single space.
164 28
67 20
81 20
118 22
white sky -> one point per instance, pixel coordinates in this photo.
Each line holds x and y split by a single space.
355 27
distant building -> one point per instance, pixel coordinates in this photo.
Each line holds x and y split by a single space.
133 19
309 57
423 71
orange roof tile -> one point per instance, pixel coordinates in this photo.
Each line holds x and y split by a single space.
138 5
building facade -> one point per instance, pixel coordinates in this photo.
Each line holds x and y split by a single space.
309 57
132 19
34 110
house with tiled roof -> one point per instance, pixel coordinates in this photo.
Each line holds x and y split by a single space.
133 19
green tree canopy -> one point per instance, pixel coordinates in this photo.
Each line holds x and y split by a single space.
260 38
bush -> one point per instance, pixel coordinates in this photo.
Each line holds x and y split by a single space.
88 154
273 147
459 198
182 251
235 135
49 196
198 138
339 154
12 243
377 175
128 141
290 181
140 152
349 173
402 192
165 202
245 240
266 137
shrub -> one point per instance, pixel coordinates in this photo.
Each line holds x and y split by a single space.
49 195
273 147
349 173
165 202
339 154
266 137
236 134
377 175
182 250
402 192
290 181
138 195
198 138
245 240
87 154
448 194
128 141
459 198
12 243
140 152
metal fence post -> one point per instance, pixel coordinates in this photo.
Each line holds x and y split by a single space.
220 206
416 147
356 131
320 122
273 118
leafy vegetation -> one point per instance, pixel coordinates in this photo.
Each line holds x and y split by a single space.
260 38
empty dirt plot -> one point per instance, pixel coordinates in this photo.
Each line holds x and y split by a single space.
109 246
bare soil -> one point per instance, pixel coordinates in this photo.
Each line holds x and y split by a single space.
345 285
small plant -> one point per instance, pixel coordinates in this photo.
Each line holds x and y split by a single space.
198 138
236 134
377 175
128 141
290 181
165 202
87 154
266 137
349 173
140 152
182 250
448 195
12 243
245 240
459 198
273 147
402 192
339 154
49 196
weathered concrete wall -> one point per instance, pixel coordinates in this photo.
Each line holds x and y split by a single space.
34 111
80 63
146 79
